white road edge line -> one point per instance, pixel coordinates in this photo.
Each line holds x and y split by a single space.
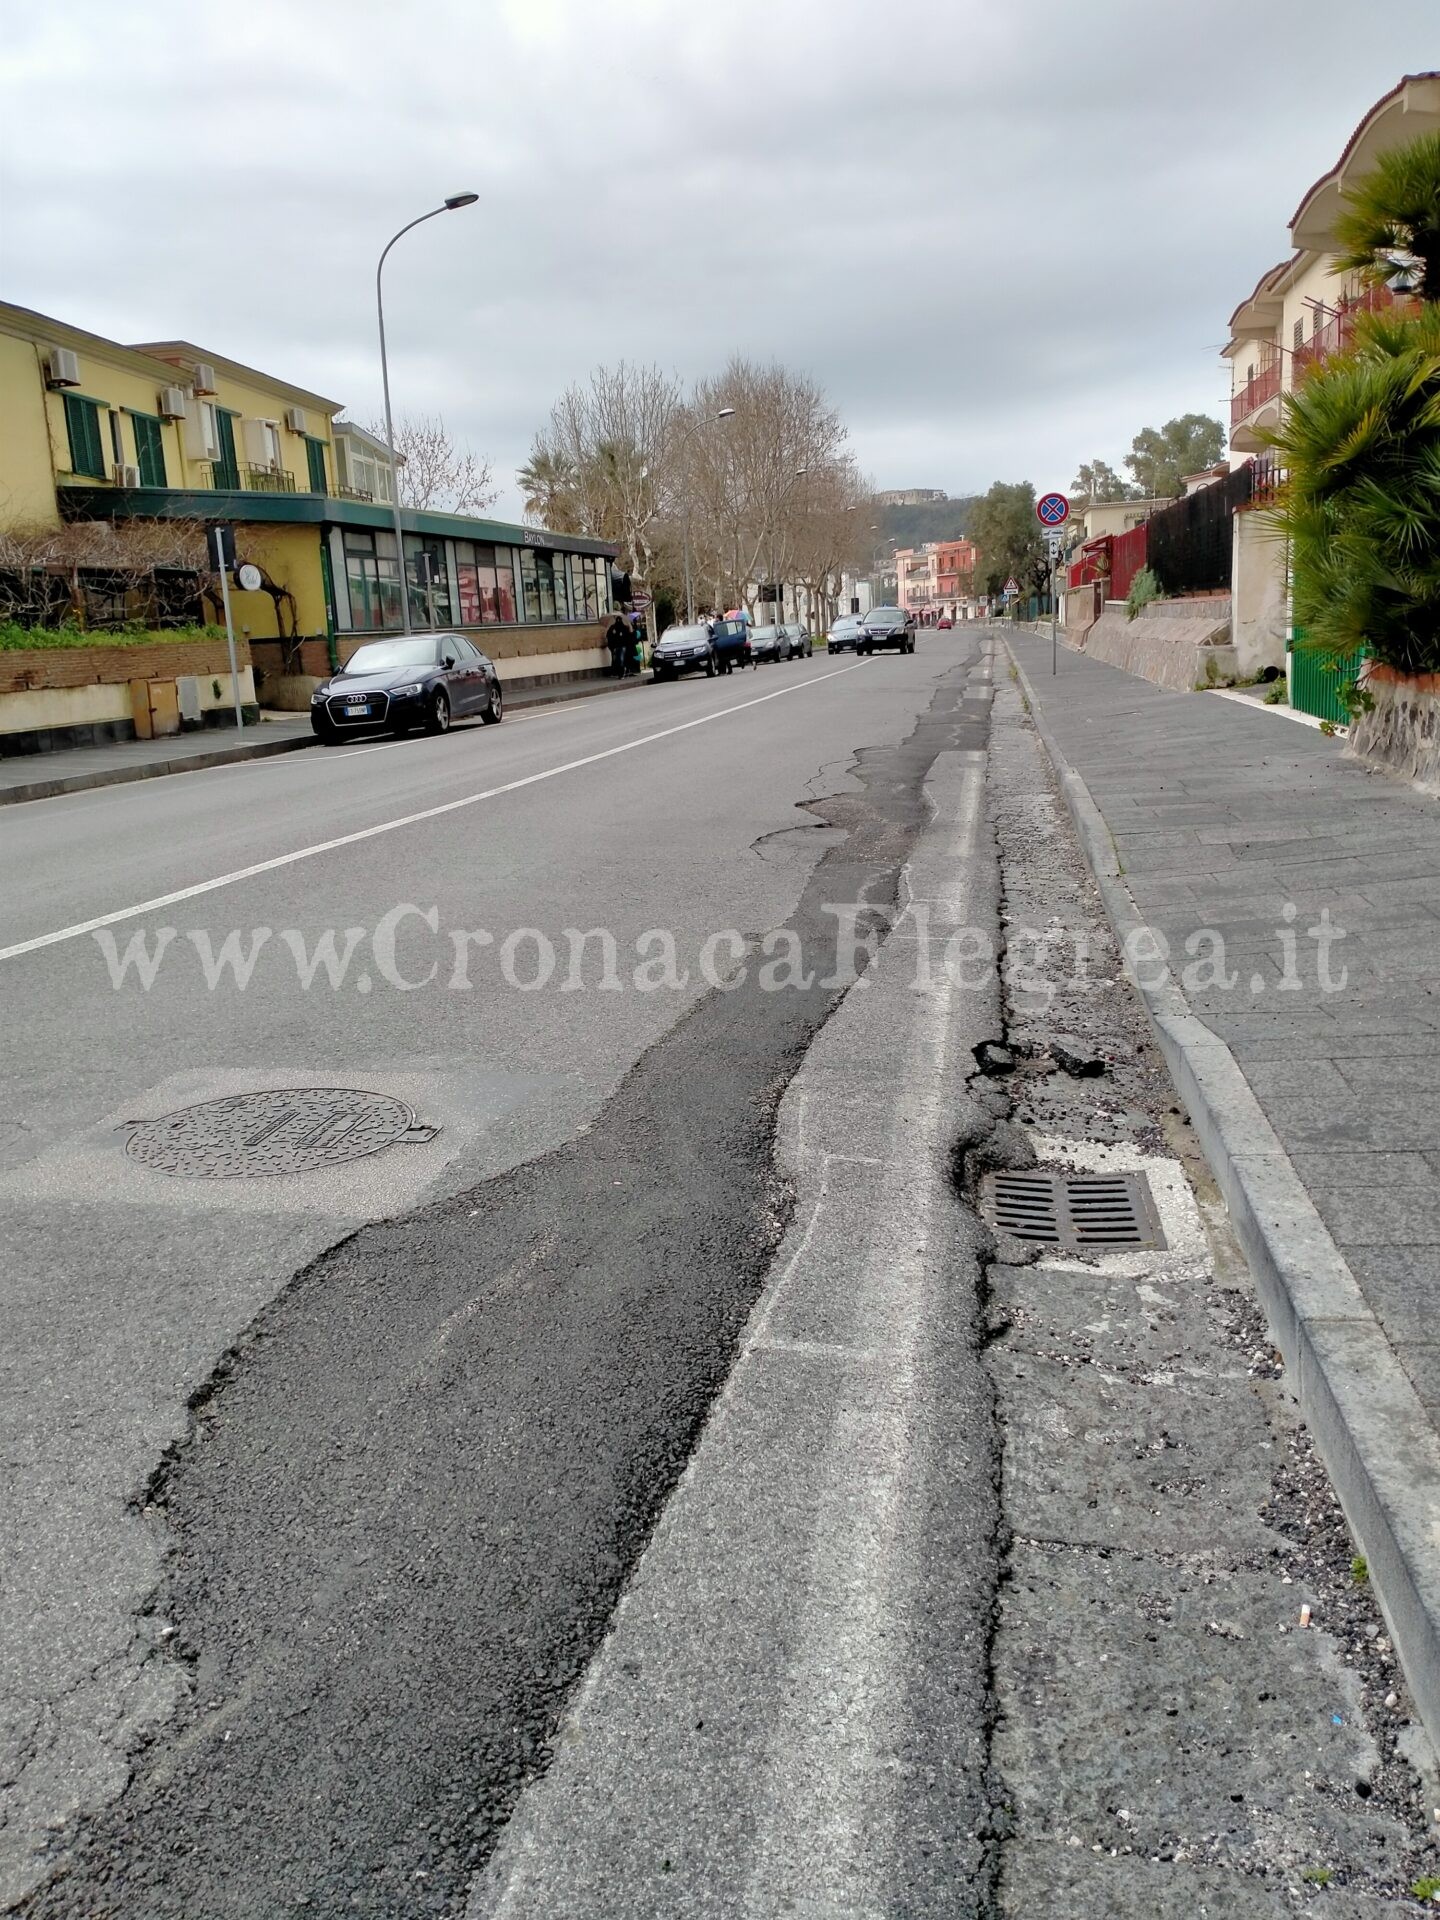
393 826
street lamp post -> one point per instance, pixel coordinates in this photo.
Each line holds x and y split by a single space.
450 205
779 602
725 413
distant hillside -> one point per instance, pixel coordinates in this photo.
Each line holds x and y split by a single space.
936 520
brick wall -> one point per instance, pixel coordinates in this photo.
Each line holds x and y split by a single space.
107 666
501 643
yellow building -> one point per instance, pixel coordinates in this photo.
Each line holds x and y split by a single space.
1298 314
129 441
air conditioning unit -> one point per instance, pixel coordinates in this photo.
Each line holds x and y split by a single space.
125 476
295 419
202 378
62 368
172 403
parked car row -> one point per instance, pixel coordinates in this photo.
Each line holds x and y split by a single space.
868 632
718 646
416 684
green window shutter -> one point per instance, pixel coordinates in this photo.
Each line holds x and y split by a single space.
226 469
82 424
315 455
149 450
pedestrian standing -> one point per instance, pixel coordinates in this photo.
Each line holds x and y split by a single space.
617 639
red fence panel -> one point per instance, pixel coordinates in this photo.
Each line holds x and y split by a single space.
1127 557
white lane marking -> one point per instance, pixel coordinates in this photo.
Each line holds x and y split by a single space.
393 826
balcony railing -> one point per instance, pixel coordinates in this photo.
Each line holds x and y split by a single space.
1263 387
268 480
1335 327
1266 475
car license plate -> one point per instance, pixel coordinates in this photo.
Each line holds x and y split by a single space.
356 713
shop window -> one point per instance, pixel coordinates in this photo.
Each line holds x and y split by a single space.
373 577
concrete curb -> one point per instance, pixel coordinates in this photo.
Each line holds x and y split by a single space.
150 770
1375 1436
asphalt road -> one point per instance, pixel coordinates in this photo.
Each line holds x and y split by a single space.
327 1484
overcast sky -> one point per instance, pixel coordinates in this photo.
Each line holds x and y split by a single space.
1004 237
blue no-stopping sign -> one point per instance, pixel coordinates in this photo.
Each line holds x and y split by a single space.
1052 509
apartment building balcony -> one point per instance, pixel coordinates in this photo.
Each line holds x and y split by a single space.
269 480
1334 327
1255 407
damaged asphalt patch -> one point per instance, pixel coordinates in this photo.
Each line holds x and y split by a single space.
412 1495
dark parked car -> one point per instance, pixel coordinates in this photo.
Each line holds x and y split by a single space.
887 627
683 650
731 641
846 634
800 644
769 643
400 685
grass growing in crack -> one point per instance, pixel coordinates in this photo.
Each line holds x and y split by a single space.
1360 1570
1427 1887
1318 1876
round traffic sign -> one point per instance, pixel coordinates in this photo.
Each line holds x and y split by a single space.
1052 509
249 577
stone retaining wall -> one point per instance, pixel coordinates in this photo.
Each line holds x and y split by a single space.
1176 644
1401 733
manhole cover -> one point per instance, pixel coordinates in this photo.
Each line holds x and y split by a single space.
288 1130
1075 1212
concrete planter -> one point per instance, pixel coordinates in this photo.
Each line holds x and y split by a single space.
1401 733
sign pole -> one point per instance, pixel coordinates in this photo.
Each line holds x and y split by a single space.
1054 610
222 551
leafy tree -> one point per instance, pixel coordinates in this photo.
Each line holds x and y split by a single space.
1098 481
435 469
1391 219
1361 505
1007 534
1160 457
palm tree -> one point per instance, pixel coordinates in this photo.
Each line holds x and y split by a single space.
1390 220
1361 503
547 481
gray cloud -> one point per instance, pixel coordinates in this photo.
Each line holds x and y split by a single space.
1003 237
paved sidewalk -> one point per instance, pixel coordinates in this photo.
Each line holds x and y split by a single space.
40 776
1222 819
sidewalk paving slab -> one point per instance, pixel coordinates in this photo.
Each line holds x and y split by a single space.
1280 1093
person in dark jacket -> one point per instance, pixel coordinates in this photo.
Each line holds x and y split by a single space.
617 639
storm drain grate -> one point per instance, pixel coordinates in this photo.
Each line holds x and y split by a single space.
282 1130
1075 1212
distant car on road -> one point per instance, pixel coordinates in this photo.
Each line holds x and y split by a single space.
683 650
846 634
944 621
769 643
887 627
800 643
402 685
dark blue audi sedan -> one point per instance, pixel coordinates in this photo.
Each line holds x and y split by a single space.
404 685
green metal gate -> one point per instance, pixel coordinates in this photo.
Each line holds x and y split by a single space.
1317 680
